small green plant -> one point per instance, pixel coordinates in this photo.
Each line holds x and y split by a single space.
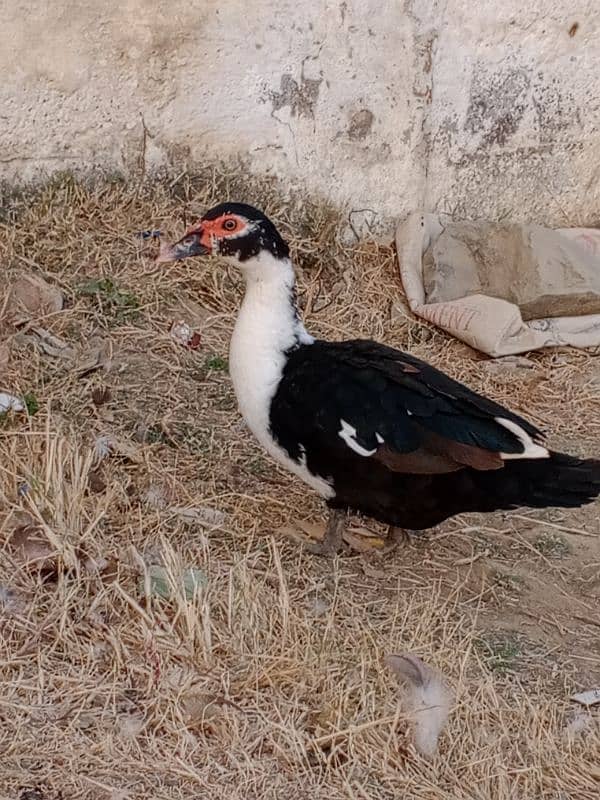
257 466
155 435
499 650
31 403
508 582
217 363
552 545
120 301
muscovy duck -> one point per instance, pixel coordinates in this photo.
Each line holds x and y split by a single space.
368 427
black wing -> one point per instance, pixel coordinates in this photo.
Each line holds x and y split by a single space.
405 413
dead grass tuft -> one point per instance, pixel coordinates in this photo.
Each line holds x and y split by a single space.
264 678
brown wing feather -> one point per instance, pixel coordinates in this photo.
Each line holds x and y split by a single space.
419 462
437 456
467 455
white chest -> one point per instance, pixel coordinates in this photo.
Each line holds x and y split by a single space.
265 329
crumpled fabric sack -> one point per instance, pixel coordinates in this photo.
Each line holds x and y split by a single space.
503 288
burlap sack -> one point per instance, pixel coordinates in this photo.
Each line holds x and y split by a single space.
503 289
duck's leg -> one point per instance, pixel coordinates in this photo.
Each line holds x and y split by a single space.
397 535
402 535
331 543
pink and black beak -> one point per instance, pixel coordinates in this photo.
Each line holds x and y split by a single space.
196 242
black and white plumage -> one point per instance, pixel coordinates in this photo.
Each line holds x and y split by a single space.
370 428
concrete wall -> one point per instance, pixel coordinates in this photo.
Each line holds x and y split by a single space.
472 106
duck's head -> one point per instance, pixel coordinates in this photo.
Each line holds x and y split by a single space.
236 231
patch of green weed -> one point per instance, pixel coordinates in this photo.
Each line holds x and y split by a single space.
499 650
120 302
552 545
217 363
31 403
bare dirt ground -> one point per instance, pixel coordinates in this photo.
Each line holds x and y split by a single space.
265 679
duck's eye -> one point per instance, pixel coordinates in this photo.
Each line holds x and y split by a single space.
229 225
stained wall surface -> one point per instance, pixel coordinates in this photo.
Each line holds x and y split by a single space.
477 108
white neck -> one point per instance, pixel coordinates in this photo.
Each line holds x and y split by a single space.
267 326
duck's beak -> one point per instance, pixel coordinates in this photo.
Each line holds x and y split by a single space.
194 243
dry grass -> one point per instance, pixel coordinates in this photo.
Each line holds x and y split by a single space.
269 682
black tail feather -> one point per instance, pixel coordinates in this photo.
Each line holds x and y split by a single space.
561 481
422 501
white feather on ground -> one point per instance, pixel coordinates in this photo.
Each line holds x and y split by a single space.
425 698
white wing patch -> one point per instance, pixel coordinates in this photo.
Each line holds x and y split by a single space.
302 459
532 450
348 432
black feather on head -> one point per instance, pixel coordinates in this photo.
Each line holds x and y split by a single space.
262 235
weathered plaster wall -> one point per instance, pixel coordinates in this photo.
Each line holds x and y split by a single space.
477 107
514 124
